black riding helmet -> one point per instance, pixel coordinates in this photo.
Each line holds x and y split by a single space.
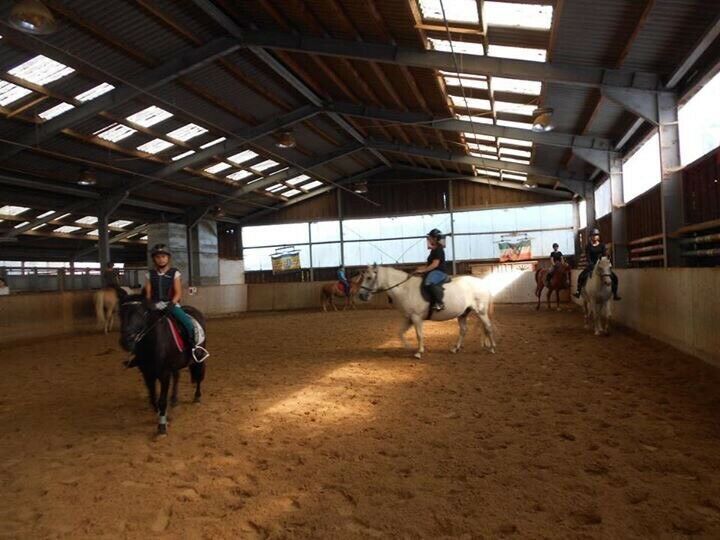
435 233
160 249
595 232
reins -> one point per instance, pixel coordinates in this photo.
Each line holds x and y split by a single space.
363 287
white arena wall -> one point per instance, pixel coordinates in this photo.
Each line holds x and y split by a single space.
679 306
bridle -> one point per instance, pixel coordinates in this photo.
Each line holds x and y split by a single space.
364 288
137 337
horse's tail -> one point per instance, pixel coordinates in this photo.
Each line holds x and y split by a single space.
100 308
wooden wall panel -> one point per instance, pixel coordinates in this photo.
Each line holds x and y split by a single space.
473 195
397 199
644 215
701 189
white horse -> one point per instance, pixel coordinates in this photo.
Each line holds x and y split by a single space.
596 295
463 295
106 300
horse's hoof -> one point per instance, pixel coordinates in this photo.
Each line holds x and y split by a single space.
454 350
492 350
174 402
418 355
197 399
162 430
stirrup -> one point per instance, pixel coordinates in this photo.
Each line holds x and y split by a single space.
438 306
576 294
201 352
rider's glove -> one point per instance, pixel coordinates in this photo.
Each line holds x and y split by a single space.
160 305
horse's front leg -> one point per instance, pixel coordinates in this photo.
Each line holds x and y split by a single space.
557 298
597 318
174 394
407 323
462 330
418 323
538 293
163 403
487 326
149 379
549 295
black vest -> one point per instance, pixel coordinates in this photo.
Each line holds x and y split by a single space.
161 285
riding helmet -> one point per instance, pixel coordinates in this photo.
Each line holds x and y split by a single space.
160 249
595 232
435 233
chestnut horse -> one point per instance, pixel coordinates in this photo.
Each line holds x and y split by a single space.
559 281
330 290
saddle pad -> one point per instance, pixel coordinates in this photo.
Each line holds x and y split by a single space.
176 334
199 332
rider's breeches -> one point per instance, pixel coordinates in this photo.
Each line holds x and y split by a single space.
436 277
183 318
346 287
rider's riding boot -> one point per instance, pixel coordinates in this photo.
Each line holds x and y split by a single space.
437 293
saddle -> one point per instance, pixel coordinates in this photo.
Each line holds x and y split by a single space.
423 289
178 333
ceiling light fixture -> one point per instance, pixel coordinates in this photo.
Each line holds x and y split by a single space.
286 139
542 120
360 187
32 17
87 178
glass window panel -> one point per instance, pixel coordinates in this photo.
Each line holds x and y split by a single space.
275 235
325 231
464 11
518 15
603 200
325 255
582 209
556 215
475 246
642 170
700 122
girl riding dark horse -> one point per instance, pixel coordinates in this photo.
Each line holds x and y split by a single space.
148 335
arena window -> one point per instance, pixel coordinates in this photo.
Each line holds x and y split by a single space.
641 170
603 200
699 120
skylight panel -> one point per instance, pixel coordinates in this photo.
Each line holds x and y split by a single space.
488 172
515 152
10 93
460 47
516 142
87 220
41 70
149 116
45 214
21 224
93 233
187 132
518 15
471 103
517 86
518 53
479 136
155 146
115 132
36 227
482 84
242 157
239 175
95 92
275 188
515 176
484 156
264 165
291 193
461 11
144 238
183 155
67 229
120 223
13 210
476 119
62 217
516 160
312 185
57 110
213 143
514 108
511 123
298 180
218 167
481 147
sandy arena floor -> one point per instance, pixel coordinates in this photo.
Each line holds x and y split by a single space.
318 425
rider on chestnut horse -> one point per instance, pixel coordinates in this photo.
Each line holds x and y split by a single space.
556 259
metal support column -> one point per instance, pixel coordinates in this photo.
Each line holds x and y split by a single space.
452 225
189 244
619 225
340 221
312 273
103 238
671 185
576 228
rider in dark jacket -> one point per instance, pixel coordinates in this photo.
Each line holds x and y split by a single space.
556 258
594 250
435 271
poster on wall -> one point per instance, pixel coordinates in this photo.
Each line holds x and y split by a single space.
515 249
285 260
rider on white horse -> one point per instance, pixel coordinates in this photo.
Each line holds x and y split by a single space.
434 271
594 250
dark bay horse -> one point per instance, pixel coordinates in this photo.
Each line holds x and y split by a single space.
147 334
560 280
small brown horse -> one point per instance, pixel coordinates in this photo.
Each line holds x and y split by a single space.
559 281
330 290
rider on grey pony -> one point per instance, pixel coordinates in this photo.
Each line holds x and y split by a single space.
434 271
594 250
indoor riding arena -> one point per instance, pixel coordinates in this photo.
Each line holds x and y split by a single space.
355 269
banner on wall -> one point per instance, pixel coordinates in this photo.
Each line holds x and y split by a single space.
285 260
515 249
